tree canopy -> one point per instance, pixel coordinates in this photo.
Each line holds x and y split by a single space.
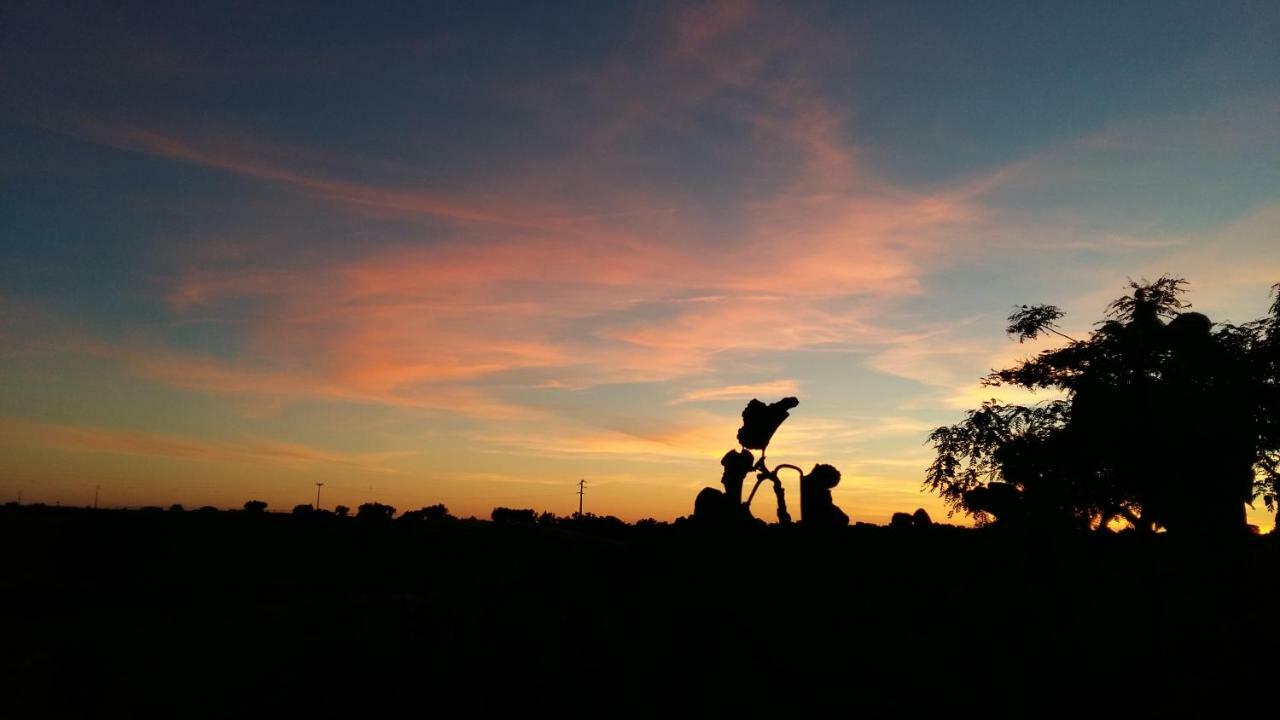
1169 421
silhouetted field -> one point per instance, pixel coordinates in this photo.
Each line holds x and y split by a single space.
232 613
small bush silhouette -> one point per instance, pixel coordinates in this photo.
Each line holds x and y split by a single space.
375 512
508 515
430 513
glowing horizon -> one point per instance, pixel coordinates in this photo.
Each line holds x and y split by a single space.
465 257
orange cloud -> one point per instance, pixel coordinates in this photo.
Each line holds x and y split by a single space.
697 443
81 438
777 388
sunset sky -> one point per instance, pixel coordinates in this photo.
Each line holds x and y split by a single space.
470 252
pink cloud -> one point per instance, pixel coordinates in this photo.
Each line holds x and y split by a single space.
776 388
578 274
698 26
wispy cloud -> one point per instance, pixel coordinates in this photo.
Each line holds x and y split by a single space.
579 295
84 438
264 161
776 388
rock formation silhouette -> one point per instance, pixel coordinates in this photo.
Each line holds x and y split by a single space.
816 506
760 422
727 508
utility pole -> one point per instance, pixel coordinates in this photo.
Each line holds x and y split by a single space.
582 489
318 486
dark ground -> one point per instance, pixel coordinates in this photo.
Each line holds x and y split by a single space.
232 614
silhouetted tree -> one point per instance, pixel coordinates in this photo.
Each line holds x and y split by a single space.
508 515
601 525
1163 423
375 512
1262 339
430 513
255 506
301 510
342 511
176 508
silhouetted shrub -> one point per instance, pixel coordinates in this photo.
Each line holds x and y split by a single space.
604 526
255 506
430 513
176 508
375 511
917 519
508 515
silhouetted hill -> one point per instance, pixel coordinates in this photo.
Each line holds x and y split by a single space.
232 613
